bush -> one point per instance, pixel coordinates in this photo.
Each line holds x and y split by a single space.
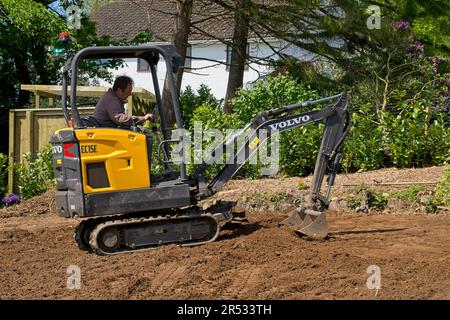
210 117
35 176
189 101
273 93
3 174
409 130
299 147
414 140
366 198
442 192
409 194
363 149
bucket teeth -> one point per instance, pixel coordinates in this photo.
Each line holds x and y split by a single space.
308 222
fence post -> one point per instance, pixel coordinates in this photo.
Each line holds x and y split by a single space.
37 100
12 123
29 123
130 105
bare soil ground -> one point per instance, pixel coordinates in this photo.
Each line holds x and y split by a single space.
255 260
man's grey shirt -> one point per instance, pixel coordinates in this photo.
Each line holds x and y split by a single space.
107 108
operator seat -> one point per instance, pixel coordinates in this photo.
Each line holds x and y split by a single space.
90 121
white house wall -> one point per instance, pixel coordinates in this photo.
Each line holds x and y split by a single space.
210 73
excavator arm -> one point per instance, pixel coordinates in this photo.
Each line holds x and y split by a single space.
310 218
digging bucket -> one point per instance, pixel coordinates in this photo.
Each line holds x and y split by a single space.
308 222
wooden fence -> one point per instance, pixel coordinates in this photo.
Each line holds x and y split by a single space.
30 131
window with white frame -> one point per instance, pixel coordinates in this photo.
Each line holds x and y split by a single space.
142 65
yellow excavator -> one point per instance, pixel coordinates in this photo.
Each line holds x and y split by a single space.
104 174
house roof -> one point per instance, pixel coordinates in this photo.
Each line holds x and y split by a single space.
124 19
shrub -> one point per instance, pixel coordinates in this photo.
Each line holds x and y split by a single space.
299 147
190 100
409 194
273 93
212 117
366 198
363 149
35 176
442 192
414 141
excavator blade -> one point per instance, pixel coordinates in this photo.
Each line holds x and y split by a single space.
308 222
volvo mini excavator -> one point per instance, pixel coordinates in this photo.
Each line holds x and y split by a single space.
104 174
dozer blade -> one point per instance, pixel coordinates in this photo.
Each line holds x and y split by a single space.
308 222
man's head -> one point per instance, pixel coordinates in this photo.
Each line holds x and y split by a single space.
123 86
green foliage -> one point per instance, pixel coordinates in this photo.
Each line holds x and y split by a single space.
413 141
408 194
35 176
279 197
28 16
353 202
301 185
376 200
442 192
273 93
298 148
367 197
364 145
210 117
428 20
190 100
397 105
408 131
3 174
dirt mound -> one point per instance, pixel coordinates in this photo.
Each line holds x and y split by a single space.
344 183
36 206
252 260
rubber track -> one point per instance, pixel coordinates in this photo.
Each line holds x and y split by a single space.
105 224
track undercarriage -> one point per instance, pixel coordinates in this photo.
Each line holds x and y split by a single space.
130 233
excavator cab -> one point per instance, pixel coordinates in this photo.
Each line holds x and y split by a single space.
103 171
104 174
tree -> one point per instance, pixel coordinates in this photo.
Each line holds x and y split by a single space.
180 40
182 22
238 52
336 32
429 21
27 28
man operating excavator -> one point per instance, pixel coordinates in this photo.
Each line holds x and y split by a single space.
110 110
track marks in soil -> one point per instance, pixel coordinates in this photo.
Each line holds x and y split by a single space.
168 277
243 282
